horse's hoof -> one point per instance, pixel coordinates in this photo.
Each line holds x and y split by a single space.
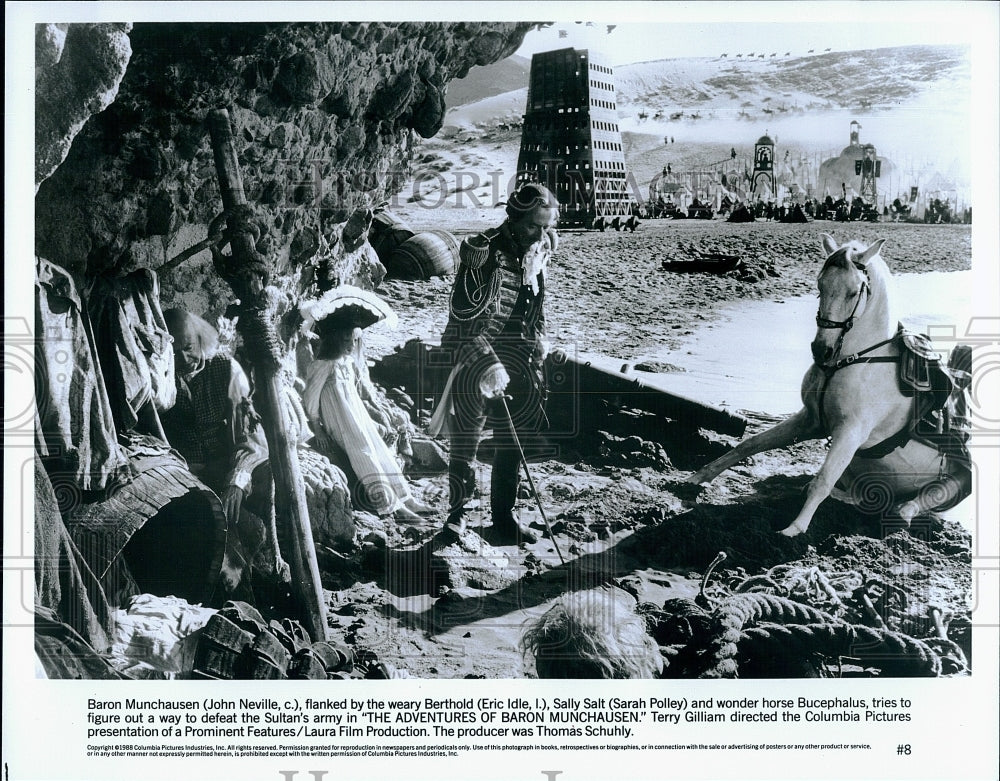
793 530
696 479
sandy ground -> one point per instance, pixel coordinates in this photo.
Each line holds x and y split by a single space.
624 517
725 364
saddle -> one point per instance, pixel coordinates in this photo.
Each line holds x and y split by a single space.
921 371
947 425
941 390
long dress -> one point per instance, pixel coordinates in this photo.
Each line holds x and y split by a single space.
332 398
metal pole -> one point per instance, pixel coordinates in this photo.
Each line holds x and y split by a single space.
531 482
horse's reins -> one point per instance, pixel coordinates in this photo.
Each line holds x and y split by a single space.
846 325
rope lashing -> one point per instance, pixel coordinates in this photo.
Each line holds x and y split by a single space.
252 271
896 654
260 337
757 631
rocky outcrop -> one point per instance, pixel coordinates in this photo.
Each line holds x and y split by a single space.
78 68
322 114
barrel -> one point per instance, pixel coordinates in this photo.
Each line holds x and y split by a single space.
425 255
387 232
165 527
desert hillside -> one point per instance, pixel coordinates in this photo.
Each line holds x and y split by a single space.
913 103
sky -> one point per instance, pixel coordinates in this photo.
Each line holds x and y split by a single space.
649 29
671 30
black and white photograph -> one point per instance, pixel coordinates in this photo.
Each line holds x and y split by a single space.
386 363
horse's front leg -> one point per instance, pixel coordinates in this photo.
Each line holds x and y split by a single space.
843 445
796 428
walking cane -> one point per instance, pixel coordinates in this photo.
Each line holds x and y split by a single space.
531 482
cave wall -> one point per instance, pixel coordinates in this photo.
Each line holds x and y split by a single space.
322 115
77 72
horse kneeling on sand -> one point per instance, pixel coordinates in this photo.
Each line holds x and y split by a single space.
895 416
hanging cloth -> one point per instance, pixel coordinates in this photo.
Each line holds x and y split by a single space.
135 348
76 430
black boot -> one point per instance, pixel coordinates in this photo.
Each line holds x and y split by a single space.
504 482
461 487
508 530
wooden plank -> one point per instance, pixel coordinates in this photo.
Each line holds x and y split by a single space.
242 273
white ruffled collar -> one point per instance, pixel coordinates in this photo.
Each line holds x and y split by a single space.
536 259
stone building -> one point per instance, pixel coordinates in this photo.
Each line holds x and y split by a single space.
841 173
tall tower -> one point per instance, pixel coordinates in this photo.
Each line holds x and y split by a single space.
570 141
763 165
855 133
869 167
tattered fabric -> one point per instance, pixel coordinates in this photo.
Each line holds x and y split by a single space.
77 430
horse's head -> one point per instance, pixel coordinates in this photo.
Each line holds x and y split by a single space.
845 288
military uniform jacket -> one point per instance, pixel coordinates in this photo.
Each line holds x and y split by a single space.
490 304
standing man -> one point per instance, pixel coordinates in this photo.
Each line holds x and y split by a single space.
495 340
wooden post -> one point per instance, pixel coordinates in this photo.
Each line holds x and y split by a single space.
246 273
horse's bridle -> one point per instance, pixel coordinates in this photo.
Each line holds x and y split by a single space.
862 356
848 324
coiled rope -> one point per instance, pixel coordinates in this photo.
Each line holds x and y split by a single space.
754 631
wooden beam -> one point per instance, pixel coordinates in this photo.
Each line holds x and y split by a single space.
246 273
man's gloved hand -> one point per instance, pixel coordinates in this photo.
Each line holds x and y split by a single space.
494 381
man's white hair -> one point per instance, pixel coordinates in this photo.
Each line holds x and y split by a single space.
592 634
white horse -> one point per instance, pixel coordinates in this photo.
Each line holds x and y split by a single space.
851 395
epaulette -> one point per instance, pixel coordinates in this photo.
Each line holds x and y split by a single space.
474 251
